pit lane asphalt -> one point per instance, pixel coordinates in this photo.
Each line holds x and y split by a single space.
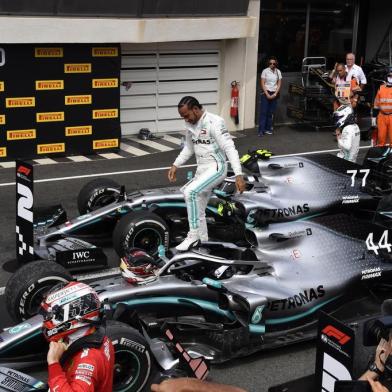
255 373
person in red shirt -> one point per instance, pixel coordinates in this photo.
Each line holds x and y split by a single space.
80 356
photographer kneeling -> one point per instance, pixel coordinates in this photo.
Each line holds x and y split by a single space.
376 374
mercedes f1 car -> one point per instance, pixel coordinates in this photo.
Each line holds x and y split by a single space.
278 190
223 300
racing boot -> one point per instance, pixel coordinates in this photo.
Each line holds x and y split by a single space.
192 240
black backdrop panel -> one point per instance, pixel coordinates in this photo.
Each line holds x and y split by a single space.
123 8
59 99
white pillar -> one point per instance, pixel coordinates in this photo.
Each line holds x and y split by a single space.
239 62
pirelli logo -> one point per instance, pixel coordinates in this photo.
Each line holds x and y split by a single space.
2 86
48 52
77 68
105 52
50 116
19 102
105 83
78 99
2 119
105 113
105 143
3 152
21 134
79 131
49 84
50 148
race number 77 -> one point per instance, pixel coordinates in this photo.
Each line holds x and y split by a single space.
354 173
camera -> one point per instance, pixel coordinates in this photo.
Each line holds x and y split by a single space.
376 329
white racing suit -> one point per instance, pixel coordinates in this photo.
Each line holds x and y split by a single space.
211 143
349 142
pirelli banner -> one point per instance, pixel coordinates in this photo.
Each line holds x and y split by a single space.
59 100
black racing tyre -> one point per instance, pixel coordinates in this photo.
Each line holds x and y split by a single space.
28 286
134 363
97 193
140 229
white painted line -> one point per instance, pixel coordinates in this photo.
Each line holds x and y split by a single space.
79 158
133 150
150 170
111 155
7 165
172 139
157 146
45 161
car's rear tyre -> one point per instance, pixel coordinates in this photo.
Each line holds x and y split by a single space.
140 229
96 194
28 286
134 363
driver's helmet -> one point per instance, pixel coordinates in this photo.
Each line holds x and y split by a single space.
343 115
68 309
138 267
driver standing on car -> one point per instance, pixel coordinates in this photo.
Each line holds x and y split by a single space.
208 138
80 356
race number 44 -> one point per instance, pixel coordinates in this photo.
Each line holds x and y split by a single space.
383 243
354 174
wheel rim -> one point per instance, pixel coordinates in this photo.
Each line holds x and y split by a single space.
38 295
148 239
126 371
103 200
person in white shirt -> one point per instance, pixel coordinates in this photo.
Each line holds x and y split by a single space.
208 138
271 82
354 70
347 133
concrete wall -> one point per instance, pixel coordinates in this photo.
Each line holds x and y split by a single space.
239 62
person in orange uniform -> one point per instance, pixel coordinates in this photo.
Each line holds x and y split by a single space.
346 90
383 105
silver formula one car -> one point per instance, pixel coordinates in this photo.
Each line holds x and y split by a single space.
278 190
226 301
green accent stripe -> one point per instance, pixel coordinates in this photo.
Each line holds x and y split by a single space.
301 315
183 205
211 306
193 194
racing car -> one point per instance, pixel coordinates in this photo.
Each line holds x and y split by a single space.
225 301
278 190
